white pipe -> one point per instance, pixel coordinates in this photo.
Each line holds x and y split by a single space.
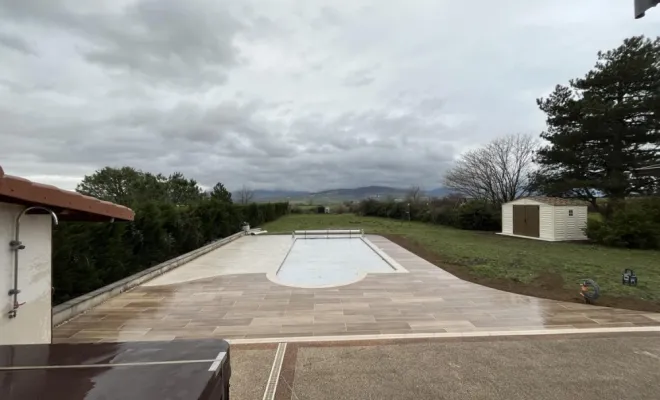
16 246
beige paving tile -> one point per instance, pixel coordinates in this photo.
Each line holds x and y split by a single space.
441 324
306 319
381 326
424 300
340 318
235 321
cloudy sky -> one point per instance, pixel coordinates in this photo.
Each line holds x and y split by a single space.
289 94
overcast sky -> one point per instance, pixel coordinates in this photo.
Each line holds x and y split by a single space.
288 94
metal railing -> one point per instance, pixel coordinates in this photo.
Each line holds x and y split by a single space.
328 233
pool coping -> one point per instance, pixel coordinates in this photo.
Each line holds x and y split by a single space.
398 268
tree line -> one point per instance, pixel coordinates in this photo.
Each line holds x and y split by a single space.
173 216
453 211
601 128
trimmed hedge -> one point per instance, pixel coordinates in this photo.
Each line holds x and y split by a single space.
87 256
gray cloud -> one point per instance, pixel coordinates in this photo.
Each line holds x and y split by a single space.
159 40
360 77
283 94
15 43
165 39
328 17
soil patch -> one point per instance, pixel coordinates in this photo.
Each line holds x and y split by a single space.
547 285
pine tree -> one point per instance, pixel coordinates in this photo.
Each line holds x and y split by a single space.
602 127
219 192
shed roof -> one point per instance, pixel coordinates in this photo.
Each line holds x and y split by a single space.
68 205
557 201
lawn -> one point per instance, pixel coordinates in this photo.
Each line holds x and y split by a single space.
495 260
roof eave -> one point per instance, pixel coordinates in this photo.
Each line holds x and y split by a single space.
70 205
65 214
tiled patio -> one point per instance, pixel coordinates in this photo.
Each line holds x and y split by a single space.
249 305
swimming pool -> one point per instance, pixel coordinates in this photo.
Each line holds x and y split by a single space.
316 262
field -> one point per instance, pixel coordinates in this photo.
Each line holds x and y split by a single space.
542 269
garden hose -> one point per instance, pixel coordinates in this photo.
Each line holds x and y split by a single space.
590 290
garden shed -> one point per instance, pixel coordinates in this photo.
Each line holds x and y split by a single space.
545 218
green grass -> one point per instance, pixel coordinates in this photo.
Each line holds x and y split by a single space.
305 207
496 256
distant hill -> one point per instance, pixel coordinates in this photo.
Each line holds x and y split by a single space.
337 195
278 194
438 192
363 192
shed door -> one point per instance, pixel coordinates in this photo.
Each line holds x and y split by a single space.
526 221
532 219
519 220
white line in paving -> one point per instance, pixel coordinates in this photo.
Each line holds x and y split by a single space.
348 338
649 354
273 379
218 360
78 366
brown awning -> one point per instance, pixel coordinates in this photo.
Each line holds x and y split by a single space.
642 6
66 204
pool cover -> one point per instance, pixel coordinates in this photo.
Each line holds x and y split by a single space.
330 262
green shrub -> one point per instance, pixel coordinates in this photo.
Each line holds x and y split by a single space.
473 215
636 226
479 216
445 216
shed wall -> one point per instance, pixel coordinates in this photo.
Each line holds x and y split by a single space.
546 218
555 224
570 227
507 219
547 221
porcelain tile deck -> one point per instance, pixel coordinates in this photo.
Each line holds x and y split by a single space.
249 305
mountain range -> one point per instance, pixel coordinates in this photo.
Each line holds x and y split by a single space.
335 195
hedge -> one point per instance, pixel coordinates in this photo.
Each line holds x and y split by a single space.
469 215
87 256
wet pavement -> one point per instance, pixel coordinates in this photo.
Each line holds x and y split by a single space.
211 298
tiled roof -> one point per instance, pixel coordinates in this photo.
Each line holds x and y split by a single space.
67 204
559 201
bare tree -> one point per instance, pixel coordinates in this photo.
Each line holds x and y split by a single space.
414 195
498 172
245 195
